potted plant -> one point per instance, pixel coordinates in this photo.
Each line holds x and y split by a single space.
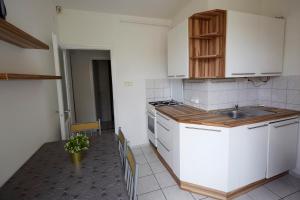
76 145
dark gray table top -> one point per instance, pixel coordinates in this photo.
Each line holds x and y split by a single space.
50 175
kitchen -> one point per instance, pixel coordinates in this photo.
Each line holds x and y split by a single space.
206 92
237 148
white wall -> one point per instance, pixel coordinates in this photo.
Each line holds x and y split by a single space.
28 115
138 52
83 85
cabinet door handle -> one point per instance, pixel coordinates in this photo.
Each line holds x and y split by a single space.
286 124
250 128
168 150
171 76
203 129
271 73
180 75
163 126
236 74
163 117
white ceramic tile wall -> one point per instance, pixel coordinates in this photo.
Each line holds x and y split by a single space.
212 94
282 92
158 90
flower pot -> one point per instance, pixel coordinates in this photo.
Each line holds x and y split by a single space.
76 158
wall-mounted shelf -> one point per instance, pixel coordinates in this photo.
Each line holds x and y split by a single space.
12 76
12 34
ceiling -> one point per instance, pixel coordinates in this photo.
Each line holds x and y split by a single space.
145 8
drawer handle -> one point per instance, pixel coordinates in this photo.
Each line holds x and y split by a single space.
180 75
163 126
236 74
163 145
163 117
250 128
171 76
286 124
284 120
271 73
203 129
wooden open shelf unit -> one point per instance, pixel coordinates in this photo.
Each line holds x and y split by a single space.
207 38
12 34
12 76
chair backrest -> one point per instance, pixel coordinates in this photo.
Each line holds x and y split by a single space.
85 127
122 146
131 174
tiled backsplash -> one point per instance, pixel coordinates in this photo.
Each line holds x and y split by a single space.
219 94
158 90
282 92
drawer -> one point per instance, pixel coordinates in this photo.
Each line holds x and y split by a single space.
164 120
165 135
165 153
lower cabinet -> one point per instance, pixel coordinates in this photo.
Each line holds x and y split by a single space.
227 159
247 154
282 146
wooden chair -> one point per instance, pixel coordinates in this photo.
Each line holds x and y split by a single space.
131 174
85 128
122 143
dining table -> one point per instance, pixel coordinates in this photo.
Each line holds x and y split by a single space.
50 175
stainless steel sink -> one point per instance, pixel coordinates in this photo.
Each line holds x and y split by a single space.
244 112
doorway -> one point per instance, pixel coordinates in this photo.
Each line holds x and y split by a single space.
103 93
92 89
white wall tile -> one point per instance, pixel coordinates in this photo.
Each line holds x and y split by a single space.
294 82
293 97
265 94
280 82
279 95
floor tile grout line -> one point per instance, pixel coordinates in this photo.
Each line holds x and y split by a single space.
156 178
290 194
271 191
167 186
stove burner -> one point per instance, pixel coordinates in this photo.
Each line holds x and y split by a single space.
164 103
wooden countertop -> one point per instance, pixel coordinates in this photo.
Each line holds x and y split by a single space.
191 115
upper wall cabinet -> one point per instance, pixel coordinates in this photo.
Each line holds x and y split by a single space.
219 44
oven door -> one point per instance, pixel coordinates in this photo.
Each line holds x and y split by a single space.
151 128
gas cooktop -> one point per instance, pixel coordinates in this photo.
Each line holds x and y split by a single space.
165 103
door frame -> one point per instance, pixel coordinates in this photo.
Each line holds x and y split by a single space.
113 72
64 124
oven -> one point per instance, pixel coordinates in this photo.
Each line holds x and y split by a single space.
151 129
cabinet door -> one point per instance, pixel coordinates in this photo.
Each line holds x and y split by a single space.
178 51
242 40
272 43
248 155
282 148
204 156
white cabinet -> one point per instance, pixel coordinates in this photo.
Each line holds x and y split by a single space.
272 46
204 156
248 154
282 146
242 42
254 45
178 54
166 128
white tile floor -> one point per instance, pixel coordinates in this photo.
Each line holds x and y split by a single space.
155 183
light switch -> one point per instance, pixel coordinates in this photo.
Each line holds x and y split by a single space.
128 83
